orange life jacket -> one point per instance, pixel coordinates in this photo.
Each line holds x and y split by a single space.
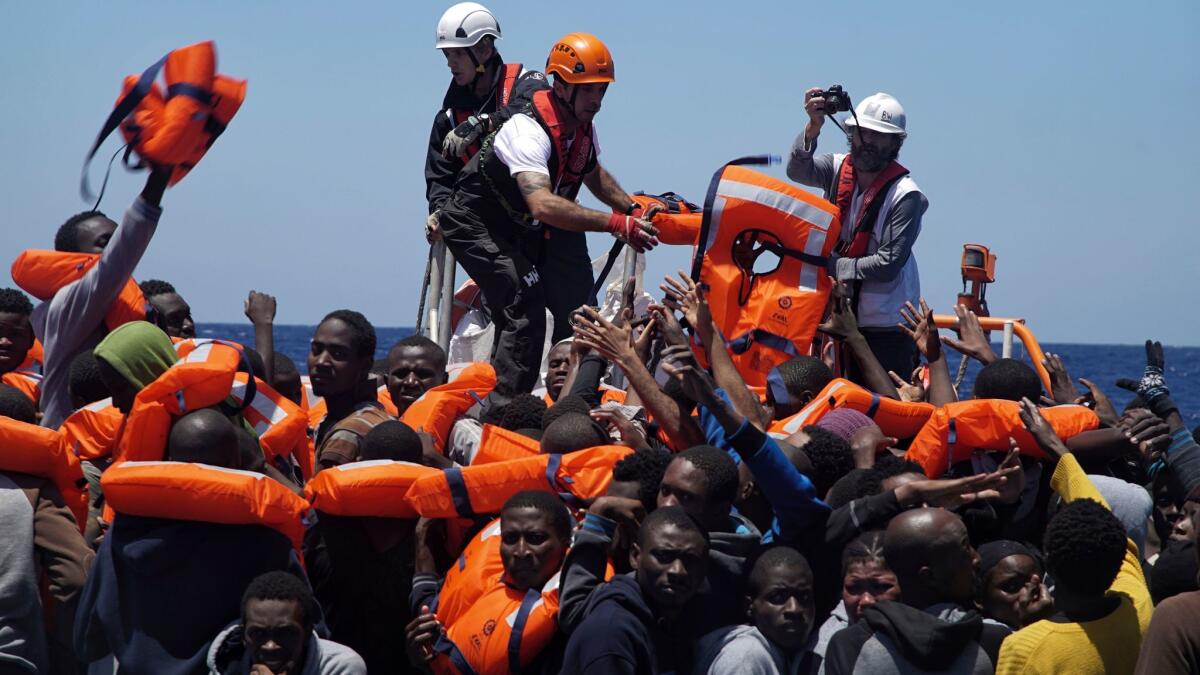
846 185
501 632
465 580
37 451
42 273
497 444
438 408
958 429
679 220
509 75
366 489
608 394
92 431
203 378
770 316
281 425
175 130
27 382
896 418
483 488
203 493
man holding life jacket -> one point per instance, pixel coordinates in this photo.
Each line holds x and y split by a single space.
16 339
484 92
514 226
881 208
73 320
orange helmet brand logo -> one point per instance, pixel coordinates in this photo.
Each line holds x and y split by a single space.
785 302
564 47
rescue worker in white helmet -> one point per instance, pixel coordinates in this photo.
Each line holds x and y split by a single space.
483 91
881 208
513 222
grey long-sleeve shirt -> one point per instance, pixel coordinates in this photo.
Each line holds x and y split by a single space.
899 234
70 322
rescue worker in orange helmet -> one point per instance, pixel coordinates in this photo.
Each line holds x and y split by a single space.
514 226
881 208
484 91
171 312
16 339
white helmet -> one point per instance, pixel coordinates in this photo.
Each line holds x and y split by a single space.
465 24
880 112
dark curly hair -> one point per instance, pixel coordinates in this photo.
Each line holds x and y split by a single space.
279 585
549 505
1084 545
1009 380
804 373
67 237
573 403
720 471
524 411
13 301
830 456
84 380
153 287
889 466
363 331
646 468
16 405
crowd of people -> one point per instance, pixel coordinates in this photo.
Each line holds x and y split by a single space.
626 503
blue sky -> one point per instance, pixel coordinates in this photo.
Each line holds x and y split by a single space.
1045 130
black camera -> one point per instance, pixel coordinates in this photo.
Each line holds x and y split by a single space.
836 100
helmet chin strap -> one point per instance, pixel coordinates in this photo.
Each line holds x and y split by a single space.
480 68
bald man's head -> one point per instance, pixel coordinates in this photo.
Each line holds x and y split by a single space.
204 437
932 557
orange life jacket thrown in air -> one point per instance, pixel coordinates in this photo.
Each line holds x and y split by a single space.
374 488
203 378
958 429
437 409
899 419
174 130
483 488
203 493
768 314
497 444
42 273
37 451
92 431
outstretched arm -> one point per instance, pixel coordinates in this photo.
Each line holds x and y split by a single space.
602 184
565 214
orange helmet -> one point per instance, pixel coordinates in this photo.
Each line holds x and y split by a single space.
581 58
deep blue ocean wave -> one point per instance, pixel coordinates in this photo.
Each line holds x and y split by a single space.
1102 364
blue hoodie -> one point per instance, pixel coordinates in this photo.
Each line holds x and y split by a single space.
161 589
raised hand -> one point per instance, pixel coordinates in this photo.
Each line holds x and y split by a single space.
682 296
1147 431
1152 388
910 392
971 341
1097 400
1010 492
680 363
920 327
630 432
612 340
1062 389
419 636
1041 430
841 323
259 308
666 322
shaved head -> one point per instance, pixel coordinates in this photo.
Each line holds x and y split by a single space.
204 437
932 557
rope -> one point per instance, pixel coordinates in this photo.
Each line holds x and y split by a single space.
424 291
962 371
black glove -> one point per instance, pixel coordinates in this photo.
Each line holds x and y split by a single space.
1152 388
463 135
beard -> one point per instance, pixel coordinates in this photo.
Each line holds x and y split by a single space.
870 157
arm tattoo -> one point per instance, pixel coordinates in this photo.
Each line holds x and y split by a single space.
530 182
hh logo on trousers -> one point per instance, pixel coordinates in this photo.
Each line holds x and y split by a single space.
531 278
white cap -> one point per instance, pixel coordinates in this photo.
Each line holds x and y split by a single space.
465 24
880 112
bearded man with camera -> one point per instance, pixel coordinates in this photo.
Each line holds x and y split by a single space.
881 208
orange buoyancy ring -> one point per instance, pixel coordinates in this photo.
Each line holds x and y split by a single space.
43 273
281 425
502 632
768 316
375 488
437 409
201 379
92 431
483 488
203 493
37 451
900 419
497 444
957 429
27 382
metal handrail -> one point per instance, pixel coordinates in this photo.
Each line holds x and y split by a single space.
1017 328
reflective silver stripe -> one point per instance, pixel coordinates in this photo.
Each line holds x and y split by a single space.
810 276
777 200
718 208
798 420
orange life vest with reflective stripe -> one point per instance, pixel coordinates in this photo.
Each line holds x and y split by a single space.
497 444
25 381
896 418
771 315
37 451
958 429
466 578
374 488
201 379
281 425
92 431
438 408
203 493
483 488
43 273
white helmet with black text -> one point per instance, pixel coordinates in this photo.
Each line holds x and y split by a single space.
465 24
879 112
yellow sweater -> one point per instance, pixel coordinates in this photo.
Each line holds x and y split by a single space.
1109 645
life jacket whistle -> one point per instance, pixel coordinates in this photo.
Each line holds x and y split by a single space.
956 430
42 273
483 488
41 452
366 489
203 493
175 129
437 409
899 419
768 313
92 431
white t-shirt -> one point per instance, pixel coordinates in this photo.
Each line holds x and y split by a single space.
523 145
